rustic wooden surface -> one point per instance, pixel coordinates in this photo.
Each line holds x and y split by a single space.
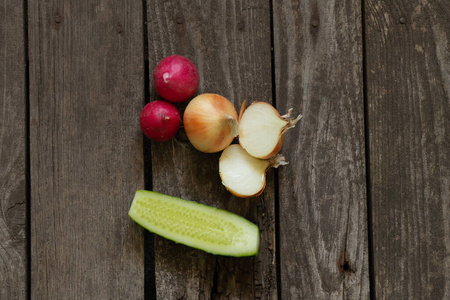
323 215
360 212
86 93
13 184
408 94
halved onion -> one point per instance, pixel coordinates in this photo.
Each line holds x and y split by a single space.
244 175
211 122
261 129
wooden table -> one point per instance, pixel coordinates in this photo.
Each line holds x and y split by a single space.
362 211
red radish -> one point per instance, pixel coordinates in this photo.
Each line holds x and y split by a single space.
176 78
160 120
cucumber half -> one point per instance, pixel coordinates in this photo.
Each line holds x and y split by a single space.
196 225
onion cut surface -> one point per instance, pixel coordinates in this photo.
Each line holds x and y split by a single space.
196 225
261 129
242 174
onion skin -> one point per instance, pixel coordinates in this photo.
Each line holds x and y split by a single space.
210 121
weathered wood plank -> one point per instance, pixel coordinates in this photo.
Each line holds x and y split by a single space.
408 92
86 93
229 41
13 186
323 216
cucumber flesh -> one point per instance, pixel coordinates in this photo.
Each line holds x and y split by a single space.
196 225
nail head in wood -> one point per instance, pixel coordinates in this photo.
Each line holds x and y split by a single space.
58 19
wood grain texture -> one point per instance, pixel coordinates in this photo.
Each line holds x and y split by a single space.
86 93
13 186
408 92
229 41
323 215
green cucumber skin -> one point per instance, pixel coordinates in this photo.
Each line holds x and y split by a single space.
244 226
